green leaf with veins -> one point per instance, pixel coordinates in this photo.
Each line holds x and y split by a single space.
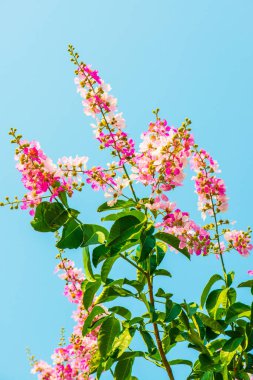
173 241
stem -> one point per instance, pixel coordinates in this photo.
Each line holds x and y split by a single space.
218 240
20 201
157 334
133 264
111 372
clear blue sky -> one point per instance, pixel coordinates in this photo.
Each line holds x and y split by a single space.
191 58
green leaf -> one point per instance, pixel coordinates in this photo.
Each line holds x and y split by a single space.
211 323
109 330
172 241
49 217
162 272
148 341
161 293
122 311
236 311
180 361
214 300
207 376
107 266
122 342
194 338
246 284
123 369
72 235
161 249
147 245
135 284
63 197
166 343
89 292
87 265
93 234
97 310
109 293
232 295
207 288
230 278
123 229
117 206
172 311
99 254
131 354
116 216
229 349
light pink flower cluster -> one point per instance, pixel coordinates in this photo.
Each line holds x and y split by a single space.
40 175
72 169
102 106
163 156
210 189
113 193
240 241
73 277
71 362
100 178
191 236
105 179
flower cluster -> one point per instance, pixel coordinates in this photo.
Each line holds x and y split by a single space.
41 176
72 169
211 190
100 178
102 106
163 156
72 361
73 277
240 241
190 235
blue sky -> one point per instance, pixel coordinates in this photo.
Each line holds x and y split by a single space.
190 58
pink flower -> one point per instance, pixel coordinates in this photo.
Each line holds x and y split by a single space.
71 361
192 237
210 189
163 156
250 272
41 176
240 241
102 106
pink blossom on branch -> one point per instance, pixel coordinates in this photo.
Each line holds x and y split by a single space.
211 190
102 106
163 155
72 361
41 176
240 241
192 237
